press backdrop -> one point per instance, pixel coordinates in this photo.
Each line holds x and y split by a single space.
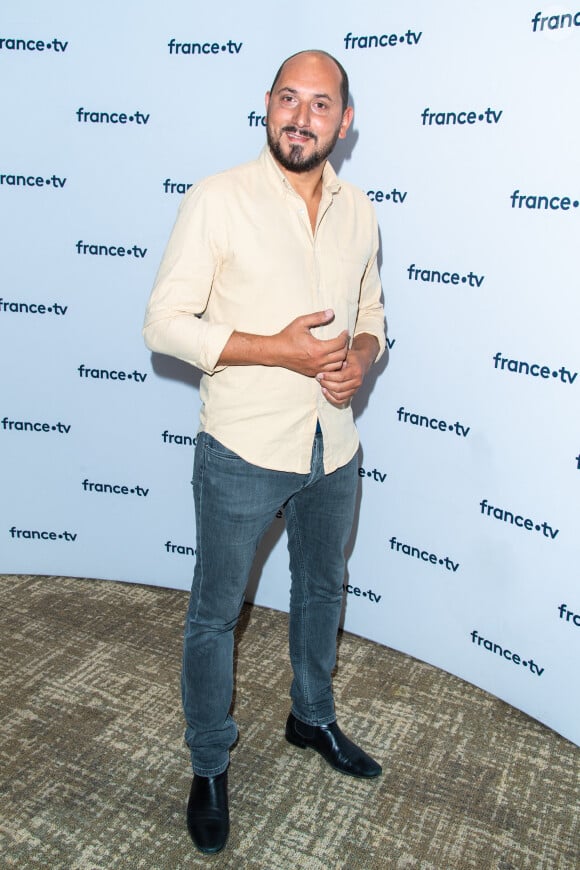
466 139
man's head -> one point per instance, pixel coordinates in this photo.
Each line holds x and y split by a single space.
307 110
344 85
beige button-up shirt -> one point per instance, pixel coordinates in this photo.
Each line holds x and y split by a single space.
242 256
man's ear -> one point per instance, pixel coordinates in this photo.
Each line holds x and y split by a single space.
347 117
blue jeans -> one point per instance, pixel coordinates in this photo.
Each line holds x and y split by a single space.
235 503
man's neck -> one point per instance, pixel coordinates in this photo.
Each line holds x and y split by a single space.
308 185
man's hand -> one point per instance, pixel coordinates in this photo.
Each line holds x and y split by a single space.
297 349
294 347
340 386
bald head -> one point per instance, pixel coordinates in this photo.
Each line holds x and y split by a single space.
316 53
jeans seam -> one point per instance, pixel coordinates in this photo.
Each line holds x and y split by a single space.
304 607
199 535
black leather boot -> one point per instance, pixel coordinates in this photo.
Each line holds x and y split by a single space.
334 746
208 819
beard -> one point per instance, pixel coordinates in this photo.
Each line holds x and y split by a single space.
295 161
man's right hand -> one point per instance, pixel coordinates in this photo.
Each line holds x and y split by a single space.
293 348
298 350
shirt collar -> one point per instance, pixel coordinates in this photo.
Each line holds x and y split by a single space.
330 180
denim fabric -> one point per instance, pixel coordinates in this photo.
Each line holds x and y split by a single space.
235 503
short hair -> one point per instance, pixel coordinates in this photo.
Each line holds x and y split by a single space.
344 86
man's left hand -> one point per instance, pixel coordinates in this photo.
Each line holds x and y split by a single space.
340 386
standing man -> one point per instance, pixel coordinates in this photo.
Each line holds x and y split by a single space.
269 285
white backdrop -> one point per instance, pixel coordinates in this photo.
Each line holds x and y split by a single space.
466 138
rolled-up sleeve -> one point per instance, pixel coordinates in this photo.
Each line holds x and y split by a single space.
174 319
371 315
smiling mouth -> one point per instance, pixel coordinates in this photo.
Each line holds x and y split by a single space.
296 135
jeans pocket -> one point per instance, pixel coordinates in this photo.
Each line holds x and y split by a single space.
216 448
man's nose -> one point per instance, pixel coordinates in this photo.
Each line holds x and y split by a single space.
302 115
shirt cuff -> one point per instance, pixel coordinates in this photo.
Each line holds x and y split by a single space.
213 340
371 329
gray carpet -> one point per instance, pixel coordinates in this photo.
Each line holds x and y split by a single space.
95 772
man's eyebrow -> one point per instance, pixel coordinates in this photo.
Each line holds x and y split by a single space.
295 91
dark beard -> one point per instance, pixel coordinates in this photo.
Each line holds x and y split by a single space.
295 162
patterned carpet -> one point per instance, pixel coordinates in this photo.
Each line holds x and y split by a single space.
95 773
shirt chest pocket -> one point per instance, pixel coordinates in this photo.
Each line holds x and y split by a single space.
340 280
342 276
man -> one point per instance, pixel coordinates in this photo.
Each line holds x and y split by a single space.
269 284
